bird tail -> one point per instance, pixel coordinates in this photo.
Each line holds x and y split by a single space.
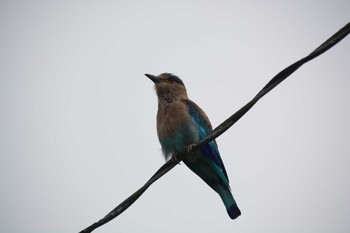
229 202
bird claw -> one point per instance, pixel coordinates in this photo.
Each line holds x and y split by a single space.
190 148
175 159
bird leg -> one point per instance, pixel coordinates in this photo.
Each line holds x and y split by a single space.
175 159
190 147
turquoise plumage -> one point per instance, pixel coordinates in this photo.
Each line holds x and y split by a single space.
180 123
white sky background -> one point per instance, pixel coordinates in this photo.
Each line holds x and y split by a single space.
78 136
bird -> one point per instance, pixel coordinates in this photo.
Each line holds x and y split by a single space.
182 123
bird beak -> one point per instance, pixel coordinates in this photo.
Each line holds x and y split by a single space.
154 78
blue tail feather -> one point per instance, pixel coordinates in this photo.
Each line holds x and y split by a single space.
233 211
229 202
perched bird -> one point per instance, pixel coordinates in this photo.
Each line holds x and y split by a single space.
181 123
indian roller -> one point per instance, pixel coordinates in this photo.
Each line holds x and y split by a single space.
181 123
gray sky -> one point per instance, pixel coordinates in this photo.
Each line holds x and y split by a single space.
78 116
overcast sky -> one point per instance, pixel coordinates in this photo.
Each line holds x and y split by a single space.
77 123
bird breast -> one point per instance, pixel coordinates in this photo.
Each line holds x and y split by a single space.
175 127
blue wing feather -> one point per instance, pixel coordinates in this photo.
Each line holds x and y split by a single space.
204 126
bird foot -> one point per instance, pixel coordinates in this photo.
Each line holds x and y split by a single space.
190 148
175 159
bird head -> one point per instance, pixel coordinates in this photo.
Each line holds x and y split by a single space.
168 87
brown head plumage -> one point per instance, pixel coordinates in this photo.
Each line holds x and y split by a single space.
169 87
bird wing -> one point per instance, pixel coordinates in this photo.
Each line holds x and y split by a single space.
203 124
